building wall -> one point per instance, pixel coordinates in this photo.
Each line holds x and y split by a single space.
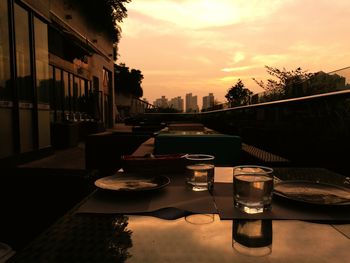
30 89
208 101
97 61
161 102
191 103
177 103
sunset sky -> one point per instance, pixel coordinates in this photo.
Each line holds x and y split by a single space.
203 46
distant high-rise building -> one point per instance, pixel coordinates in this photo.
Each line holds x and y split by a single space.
208 101
191 103
161 102
177 103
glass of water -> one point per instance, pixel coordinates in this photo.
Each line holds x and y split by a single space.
200 172
252 188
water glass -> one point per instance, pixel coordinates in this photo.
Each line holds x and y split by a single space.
252 188
200 172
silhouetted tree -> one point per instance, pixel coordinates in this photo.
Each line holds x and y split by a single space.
321 82
103 15
288 83
128 81
298 83
238 95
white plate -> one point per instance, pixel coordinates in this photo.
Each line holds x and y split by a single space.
119 182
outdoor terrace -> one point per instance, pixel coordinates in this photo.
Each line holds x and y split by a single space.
307 132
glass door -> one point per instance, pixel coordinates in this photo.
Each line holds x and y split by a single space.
6 99
24 78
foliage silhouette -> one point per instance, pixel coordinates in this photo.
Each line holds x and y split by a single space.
276 89
298 83
121 240
128 81
238 95
103 15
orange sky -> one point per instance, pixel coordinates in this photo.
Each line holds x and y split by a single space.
203 46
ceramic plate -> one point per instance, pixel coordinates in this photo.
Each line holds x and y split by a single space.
313 192
130 183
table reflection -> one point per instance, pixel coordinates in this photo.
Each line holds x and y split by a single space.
252 237
120 241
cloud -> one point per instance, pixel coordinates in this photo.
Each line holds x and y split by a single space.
238 57
237 68
229 79
205 13
270 59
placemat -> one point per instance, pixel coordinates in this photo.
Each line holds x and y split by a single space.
172 201
344 229
281 208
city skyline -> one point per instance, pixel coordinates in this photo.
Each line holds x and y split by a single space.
178 102
205 46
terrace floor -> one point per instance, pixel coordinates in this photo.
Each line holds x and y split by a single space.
71 160
29 207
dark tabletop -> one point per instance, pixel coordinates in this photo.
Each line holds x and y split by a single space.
92 237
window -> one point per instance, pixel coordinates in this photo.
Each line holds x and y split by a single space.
41 61
52 94
75 93
58 93
107 81
23 54
67 94
6 131
5 90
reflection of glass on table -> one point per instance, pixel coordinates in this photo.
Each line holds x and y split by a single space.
252 237
200 219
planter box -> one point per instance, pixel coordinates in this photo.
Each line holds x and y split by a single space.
103 150
225 148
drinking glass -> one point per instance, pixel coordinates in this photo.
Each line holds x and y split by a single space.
200 172
252 188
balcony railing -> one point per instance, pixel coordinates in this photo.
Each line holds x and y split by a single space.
312 130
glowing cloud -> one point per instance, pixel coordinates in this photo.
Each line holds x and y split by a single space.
237 69
205 13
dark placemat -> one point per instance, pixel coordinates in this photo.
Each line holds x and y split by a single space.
281 208
170 202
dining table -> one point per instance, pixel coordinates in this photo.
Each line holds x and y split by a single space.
171 223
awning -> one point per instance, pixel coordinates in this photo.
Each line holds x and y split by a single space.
74 36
